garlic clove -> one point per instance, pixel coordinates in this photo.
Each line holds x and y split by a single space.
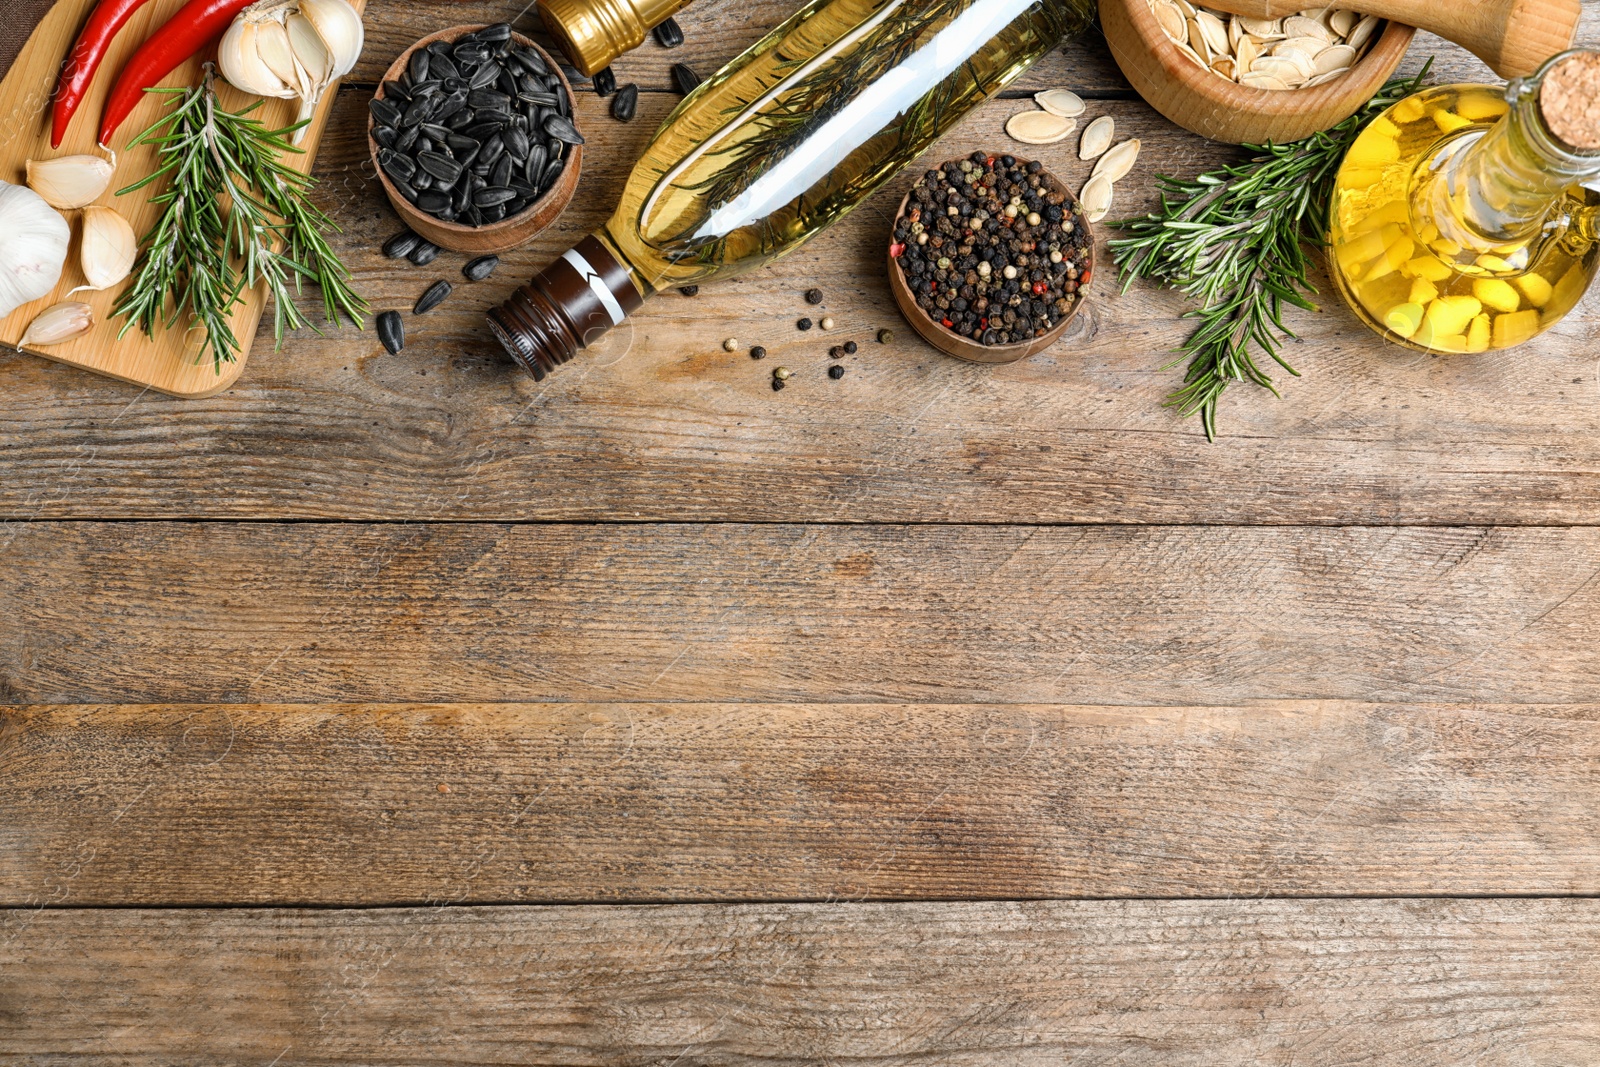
240 60
57 323
272 42
68 182
108 249
309 50
341 30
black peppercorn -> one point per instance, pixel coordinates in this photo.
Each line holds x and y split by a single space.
836 371
777 384
850 348
813 296
758 352
803 324
689 290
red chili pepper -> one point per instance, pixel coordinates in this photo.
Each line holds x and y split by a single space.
195 25
77 70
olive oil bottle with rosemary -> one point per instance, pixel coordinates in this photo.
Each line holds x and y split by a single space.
1465 217
778 145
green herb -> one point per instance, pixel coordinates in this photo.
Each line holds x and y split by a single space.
1236 239
233 216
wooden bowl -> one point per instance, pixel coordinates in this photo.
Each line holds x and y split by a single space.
1215 107
954 344
494 237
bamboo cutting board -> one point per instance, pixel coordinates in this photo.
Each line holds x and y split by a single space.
169 361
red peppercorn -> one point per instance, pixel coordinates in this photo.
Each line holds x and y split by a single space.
1039 287
897 248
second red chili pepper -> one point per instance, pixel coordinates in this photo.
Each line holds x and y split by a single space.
77 70
195 25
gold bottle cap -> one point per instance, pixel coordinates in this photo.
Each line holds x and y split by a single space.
594 32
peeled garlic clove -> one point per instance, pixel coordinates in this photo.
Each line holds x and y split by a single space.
68 182
340 29
240 59
1115 164
57 323
1096 137
1060 102
1038 127
1095 198
108 249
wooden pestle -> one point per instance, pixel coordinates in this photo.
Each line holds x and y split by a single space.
1512 36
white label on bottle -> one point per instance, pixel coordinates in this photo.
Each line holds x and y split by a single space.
597 285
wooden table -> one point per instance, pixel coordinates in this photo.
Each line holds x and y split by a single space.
400 710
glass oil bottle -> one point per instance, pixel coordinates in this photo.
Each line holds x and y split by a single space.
776 146
1460 221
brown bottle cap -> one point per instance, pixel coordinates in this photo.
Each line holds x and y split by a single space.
566 308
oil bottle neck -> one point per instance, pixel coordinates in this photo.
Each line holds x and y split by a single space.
1498 188
592 33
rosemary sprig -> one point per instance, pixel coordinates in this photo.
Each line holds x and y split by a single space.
234 215
1236 240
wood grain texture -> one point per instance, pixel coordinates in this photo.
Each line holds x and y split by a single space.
231 805
171 361
662 424
1182 983
159 612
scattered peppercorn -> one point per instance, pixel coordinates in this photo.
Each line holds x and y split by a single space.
777 383
850 348
758 352
782 373
885 336
689 290
730 345
836 371
992 249
803 324
813 296
827 322
836 352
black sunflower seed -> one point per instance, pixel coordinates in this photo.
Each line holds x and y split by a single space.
562 129
481 131
563 105
406 139
431 87
397 92
440 166
440 48
462 197
494 213
684 79
506 82
418 66
461 117
424 144
432 200
432 297
396 164
434 132
669 34
460 143
493 148
500 31
496 115
522 188
473 215
489 98
471 53
500 173
448 214
401 244
384 135
489 197
604 82
516 142
626 103
418 111
442 66
386 113
483 77
537 98
478 269
533 166
421 180
531 61
552 171
392 331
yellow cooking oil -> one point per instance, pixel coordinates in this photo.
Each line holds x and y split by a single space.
1449 232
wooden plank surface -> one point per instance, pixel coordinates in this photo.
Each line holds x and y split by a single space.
188 612
661 424
171 360
1404 983
231 805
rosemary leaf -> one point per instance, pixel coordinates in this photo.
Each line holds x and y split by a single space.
1236 240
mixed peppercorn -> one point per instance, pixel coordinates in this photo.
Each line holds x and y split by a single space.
992 250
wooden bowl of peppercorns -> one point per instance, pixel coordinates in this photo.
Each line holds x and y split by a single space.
989 257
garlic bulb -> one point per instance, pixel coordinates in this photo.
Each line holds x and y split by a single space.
57 323
68 182
108 248
34 247
286 48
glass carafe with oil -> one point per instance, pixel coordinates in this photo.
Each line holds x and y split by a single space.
1460 222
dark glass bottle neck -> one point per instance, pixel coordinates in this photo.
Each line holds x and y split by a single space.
566 308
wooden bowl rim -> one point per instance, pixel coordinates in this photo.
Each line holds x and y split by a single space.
938 335
1359 83
559 194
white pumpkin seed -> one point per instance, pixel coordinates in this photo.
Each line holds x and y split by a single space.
1341 21
1322 79
1185 7
1038 127
1267 29
1300 26
1096 137
1214 32
1333 58
1197 41
1116 163
1310 47
1189 54
1060 102
1261 81
1235 33
1284 69
1172 21
1363 32
1223 65
1095 198
1245 55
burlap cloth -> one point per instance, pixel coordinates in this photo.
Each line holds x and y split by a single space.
20 19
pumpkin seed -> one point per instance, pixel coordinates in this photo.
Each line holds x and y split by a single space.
1197 43
1333 59
1363 32
1300 26
1095 198
1038 127
1115 164
1282 68
1060 102
1264 28
1214 32
1342 21
1096 137
1261 81
1323 79
1171 20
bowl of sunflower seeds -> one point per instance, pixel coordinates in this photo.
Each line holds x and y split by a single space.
473 139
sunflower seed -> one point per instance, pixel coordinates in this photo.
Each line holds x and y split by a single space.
386 113
442 66
1095 198
432 297
440 166
552 171
401 244
396 165
500 31
625 103
604 82
478 269
434 132
396 91
1115 164
538 99
417 66
432 201
669 34
392 331
384 135
1060 102
1096 137
684 79
562 130
1038 127
500 173
531 61
492 196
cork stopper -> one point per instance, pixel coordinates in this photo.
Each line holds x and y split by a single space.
1569 101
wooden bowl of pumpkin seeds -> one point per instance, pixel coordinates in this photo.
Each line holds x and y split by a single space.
1249 81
